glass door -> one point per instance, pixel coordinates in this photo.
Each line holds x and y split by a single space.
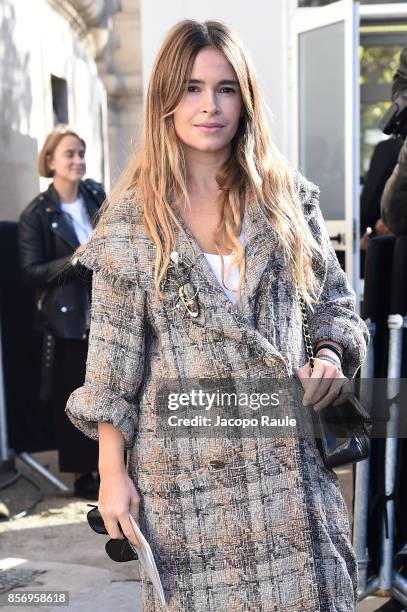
326 134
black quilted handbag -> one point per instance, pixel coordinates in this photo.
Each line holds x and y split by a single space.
342 432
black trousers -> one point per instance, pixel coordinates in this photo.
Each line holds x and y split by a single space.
77 452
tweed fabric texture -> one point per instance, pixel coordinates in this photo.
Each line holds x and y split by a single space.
243 524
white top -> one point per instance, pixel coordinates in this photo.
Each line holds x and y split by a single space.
232 279
80 219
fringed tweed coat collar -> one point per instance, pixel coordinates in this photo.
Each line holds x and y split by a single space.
269 314
261 251
121 247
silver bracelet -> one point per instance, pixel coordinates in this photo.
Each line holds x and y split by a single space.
332 360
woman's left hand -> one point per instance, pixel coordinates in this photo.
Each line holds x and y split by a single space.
324 386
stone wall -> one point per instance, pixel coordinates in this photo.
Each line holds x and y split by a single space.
28 57
66 39
120 70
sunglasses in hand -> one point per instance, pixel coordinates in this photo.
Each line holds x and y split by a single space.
118 550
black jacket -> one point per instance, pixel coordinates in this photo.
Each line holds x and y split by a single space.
382 164
394 200
47 241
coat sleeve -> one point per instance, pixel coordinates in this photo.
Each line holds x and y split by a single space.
115 362
334 316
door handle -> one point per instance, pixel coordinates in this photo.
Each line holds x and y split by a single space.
340 238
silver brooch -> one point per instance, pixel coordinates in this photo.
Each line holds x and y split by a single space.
187 294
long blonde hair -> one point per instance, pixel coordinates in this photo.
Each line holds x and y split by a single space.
255 171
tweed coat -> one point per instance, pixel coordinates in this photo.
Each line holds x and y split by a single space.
249 524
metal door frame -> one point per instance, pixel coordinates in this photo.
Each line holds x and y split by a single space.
305 20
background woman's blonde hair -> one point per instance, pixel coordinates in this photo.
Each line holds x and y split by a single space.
255 171
48 148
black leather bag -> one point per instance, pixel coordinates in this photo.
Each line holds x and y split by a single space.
342 432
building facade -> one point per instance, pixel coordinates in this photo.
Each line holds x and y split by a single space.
65 61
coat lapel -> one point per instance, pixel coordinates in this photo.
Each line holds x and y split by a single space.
216 312
188 246
66 231
261 252
60 224
91 204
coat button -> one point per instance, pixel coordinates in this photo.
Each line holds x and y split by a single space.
64 309
54 225
268 360
217 464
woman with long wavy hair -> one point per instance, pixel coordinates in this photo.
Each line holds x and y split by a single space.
198 261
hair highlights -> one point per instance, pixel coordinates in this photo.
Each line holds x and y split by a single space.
255 172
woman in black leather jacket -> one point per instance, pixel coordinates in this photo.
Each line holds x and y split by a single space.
51 227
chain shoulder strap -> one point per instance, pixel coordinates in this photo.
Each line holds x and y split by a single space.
306 334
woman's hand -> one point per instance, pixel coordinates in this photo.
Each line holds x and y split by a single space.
323 386
381 228
117 498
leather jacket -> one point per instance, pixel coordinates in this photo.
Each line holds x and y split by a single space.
47 240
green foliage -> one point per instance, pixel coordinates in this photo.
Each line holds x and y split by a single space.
378 64
377 67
